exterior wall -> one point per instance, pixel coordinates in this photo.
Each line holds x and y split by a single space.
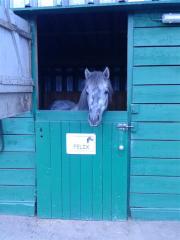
155 143
155 148
17 166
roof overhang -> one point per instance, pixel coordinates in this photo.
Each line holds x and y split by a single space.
154 6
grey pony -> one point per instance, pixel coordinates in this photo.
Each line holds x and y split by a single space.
95 96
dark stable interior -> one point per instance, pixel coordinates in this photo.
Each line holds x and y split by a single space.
68 43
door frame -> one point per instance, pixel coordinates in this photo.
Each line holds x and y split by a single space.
33 21
130 37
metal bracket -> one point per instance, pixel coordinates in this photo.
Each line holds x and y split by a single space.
124 126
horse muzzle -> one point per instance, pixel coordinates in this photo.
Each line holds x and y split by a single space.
94 121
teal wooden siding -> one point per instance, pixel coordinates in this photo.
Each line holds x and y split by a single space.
90 187
155 145
17 166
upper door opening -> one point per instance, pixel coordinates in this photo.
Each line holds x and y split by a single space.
68 43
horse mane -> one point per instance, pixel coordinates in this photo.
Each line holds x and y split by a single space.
82 104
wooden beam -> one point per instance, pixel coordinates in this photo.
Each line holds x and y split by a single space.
14 28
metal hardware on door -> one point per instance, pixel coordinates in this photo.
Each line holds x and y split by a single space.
124 126
121 147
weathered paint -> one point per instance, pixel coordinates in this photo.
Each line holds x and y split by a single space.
15 65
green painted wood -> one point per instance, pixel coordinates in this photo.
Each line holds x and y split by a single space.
155 184
86 180
155 214
119 174
144 56
24 115
18 126
107 171
155 166
155 112
75 177
148 20
56 152
43 170
151 19
97 175
18 208
17 177
17 163
17 193
34 62
65 174
154 200
155 145
44 115
156 94
156 131
86 185
155 149
156 75
156 36
19 143
130 53
17 160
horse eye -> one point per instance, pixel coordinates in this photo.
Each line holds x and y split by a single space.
87 92
106 92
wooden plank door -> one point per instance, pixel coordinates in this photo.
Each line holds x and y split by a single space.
15 64
81 186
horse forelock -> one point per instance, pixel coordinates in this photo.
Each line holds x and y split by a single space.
97 79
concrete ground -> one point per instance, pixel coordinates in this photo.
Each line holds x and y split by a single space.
24 228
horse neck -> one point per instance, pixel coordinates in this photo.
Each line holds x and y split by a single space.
82 104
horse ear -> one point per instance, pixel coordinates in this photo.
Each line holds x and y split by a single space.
106 72
87 73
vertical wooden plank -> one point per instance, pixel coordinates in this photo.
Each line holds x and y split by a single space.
130 63
43 170
119 174
34 63
65 174
75 180
97 175
86 179
107 172
115 172
124 175
55 129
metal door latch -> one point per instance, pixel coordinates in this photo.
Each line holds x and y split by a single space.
124 126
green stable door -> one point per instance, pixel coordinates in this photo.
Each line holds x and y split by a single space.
90 185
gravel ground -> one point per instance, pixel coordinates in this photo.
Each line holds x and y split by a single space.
27 228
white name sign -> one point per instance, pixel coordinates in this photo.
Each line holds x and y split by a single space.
80 143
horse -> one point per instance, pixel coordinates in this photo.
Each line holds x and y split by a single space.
95 96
